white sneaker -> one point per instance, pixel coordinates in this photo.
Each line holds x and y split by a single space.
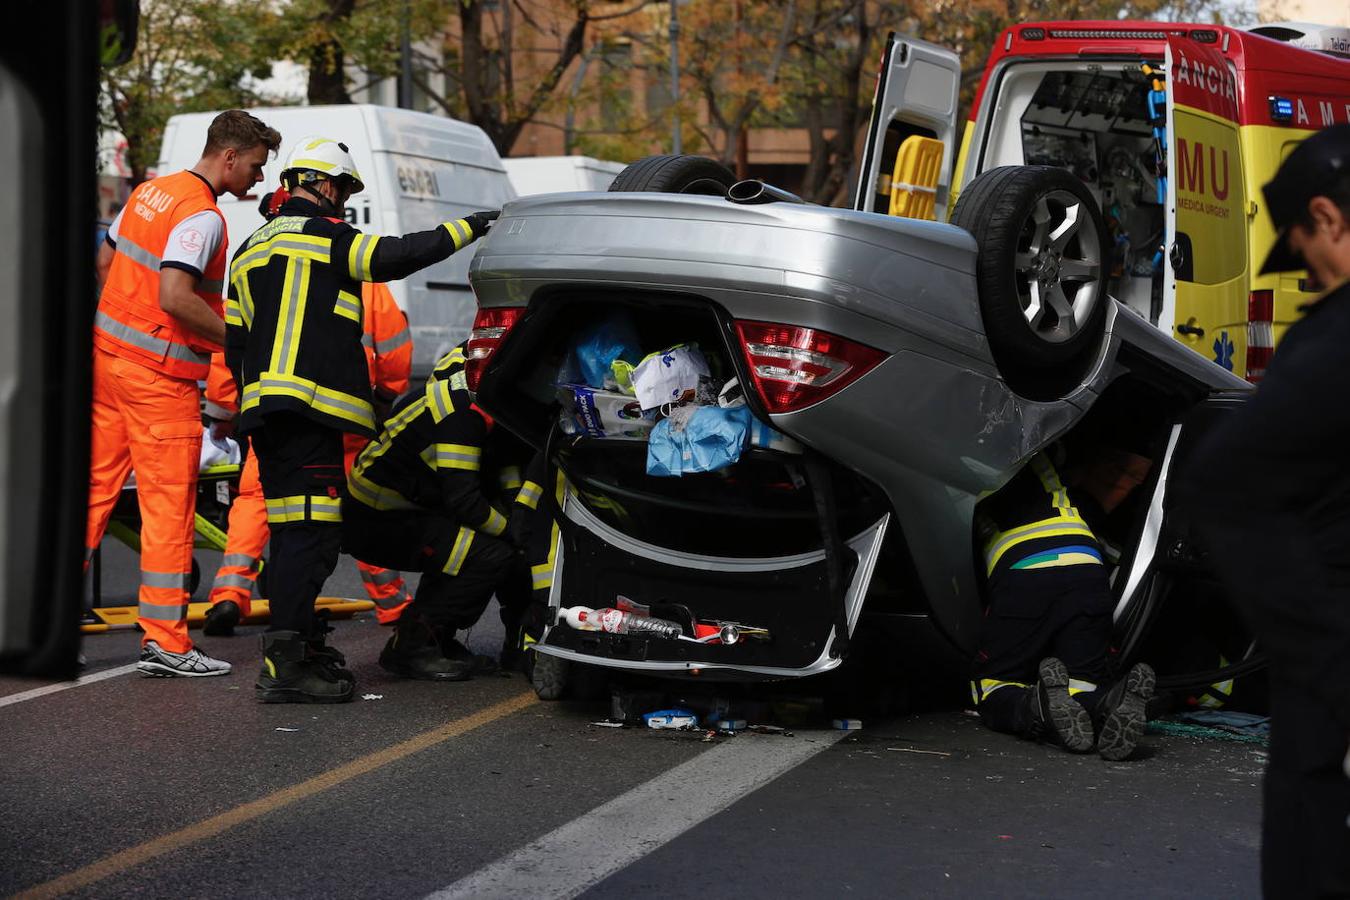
156 662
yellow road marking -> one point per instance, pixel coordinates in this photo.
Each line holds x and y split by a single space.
142 853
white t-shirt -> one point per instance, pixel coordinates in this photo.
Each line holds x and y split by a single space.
192 243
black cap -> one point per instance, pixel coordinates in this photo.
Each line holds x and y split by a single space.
1312 170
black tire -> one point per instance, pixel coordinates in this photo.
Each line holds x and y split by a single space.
1043 299
671 174
548 675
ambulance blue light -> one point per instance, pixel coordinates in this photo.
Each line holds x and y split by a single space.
1281 109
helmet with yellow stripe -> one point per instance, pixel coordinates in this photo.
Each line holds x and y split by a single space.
315 158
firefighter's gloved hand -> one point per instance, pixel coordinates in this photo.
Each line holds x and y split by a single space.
383 404
480 221
518 527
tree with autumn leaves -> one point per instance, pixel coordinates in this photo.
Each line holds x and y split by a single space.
597 70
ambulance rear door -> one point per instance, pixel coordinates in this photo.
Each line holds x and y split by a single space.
1205 272
913 123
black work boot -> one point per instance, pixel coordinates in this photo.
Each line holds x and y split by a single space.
453 648
414 652
1125 718
320 650
291 673
221 619
1062 718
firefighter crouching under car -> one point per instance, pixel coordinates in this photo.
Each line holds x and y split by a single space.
294 346
1045 639
415 503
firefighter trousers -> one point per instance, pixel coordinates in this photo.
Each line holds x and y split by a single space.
248 533
149 423
461 568
1063 612
300 467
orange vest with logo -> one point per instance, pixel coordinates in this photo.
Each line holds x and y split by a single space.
129 321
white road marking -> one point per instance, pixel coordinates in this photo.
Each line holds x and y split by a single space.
43 691
589 849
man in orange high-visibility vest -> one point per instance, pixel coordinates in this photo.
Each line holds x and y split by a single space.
159 319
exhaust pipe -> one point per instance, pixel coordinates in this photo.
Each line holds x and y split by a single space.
753 191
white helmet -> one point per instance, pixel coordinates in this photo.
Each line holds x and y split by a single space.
316 157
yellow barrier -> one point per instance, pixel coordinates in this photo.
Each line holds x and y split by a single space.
914 182
123 618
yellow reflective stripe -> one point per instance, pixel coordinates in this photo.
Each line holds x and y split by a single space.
541 574
232 313
291 318
325 509
392 428
454 358
360 255
529 495
459 237
981 689
1061 526
457 456
373 495
286 509
438 399
509 478
495 524
321 399
459 552
1045 471
313 247
348 305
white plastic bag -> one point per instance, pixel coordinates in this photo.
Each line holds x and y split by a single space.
219 452
670 376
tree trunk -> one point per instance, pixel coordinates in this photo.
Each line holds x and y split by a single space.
327 62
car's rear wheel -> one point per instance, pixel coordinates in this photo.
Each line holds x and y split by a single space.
674 174
1041 270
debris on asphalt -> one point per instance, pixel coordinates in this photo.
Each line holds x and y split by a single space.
770 729
372 696
847 724
730 725
279 728
607 724
1202 732
671 718
917 750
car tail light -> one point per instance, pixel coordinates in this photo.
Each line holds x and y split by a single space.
795 367
489 327
1260 333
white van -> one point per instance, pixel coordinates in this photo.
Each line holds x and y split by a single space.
419 170
549 174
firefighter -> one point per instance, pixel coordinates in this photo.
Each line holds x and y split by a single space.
389 357
415 502
294 347
1271 493
162 268
1044 641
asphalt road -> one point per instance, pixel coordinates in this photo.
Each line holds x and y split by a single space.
130 787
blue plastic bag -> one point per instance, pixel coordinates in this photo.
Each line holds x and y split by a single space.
613 337
712 439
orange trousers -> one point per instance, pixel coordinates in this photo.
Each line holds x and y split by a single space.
150 423
248 534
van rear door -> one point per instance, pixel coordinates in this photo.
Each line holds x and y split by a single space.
915 99
1205 278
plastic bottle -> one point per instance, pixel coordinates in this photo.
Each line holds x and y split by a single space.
616 621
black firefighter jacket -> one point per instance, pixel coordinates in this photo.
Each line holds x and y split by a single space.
293 317
1271 491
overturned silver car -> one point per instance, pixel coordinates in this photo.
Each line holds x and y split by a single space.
867 340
